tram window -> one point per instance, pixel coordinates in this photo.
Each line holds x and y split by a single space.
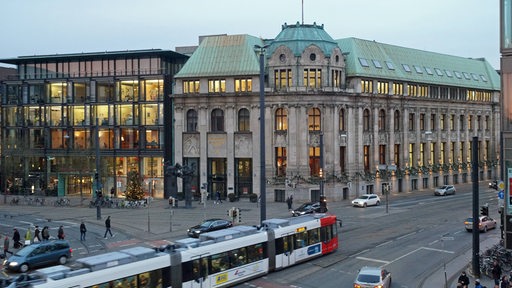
326 233
283 244
237 257
219 262
255 253
313 236
192 270
301 239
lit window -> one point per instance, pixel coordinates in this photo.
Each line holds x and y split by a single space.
190 86
364 62
406 68
281 119
243 85
217 85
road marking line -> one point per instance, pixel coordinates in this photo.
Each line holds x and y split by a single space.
406 235
385 243
360 252
433 242
438 250
373 260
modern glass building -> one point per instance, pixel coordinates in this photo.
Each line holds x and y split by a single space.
58 109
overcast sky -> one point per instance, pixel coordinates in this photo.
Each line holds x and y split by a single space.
467 28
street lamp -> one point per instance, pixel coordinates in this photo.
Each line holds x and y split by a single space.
96 174
263 183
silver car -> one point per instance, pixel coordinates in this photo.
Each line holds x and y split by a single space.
366 200
444 190
370 277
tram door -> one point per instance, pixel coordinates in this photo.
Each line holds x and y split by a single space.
288 255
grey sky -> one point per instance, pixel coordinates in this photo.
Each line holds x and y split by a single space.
467 28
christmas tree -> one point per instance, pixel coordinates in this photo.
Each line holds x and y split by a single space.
134 186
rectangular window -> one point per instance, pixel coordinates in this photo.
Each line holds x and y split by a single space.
433 152
398 89
243 85
382 154
366 157
314 161
423 155
452 151
433 122
281 161
411 155
442 153
411 122
422 122
412 90
216 86
190 86
452 122
343 158
442 124
470 122
336 78
396 157
313 78
282 78
366 86
383 87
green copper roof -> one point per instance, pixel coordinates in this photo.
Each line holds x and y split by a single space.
224 55
371 59
300 36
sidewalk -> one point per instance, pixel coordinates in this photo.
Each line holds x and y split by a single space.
456 266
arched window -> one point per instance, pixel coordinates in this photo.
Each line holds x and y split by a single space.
281 119
191 120
382 120
343 119
366 120
397 120
217 123
314 123
243 120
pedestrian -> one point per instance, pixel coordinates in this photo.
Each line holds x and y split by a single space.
477 284
37 234
60 233
45 233
463 280
289 201
504 282
217 200
107 228
6 246
496 273
16 237
83 229
28 236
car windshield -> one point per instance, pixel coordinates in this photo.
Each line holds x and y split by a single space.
304 206
469 220
443 187
25 251
364 197
368 278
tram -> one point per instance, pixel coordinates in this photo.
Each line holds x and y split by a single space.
221 258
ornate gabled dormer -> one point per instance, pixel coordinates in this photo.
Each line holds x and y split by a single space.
303 57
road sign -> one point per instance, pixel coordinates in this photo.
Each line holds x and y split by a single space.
501 195
501 186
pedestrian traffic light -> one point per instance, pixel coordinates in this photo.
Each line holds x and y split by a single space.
484 211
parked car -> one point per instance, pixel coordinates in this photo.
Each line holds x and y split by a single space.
370 277
208 226
308 208
444 190
38 255
485 224
366 200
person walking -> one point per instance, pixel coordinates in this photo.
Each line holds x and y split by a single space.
289 201
60 233
107 228
83 229
477 284
6 246
504 282
496 273
45 233
463 280
16 237
217 197
37 234
28 236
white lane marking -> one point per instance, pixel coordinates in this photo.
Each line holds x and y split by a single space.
406 235
385 243
373 260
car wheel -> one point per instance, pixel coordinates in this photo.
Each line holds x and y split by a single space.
24 268
469 230
364 205
485 229
378 203
63 260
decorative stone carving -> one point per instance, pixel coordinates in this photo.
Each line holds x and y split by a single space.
191 145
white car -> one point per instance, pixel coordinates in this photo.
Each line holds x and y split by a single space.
370 277
445 190
366 200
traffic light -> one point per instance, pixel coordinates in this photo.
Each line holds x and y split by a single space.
99 194
234 214
238 215
484 211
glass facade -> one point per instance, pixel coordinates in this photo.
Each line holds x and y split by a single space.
59 109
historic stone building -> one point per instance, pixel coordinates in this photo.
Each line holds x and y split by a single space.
350 116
